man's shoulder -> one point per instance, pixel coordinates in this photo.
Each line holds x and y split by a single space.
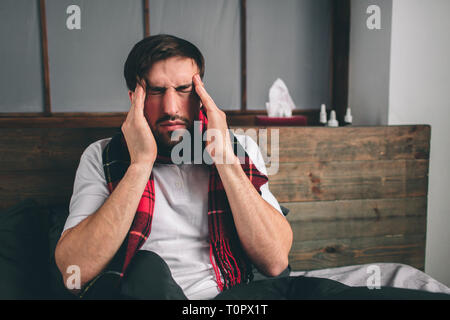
95 149
246 141
252 149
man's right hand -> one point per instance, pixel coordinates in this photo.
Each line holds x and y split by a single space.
93 242
138 135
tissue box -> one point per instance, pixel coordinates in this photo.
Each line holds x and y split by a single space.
281 121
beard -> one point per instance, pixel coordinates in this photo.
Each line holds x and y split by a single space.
164 141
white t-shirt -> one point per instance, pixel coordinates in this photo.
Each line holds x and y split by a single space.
179 231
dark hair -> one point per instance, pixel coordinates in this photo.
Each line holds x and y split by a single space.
156 48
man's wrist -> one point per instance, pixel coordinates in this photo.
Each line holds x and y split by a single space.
142 167
231 162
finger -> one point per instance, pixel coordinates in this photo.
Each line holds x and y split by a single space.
140 94
136 102
206 99
138 98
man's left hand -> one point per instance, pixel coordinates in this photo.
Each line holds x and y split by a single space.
218 142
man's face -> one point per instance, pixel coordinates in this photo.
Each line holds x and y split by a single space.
171 101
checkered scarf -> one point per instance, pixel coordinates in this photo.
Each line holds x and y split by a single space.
226 253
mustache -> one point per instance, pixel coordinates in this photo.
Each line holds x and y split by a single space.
172 118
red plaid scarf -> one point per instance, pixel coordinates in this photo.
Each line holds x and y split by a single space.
226 253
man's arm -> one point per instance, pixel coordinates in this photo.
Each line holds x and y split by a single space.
93 242
265 234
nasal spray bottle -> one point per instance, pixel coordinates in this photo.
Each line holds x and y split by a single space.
323 115
333 122
348 117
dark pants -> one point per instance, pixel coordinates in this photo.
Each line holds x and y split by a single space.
149 277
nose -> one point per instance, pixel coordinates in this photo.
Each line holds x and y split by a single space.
170 102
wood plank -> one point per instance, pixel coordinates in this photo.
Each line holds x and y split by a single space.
46 148
146 18
316 144
358 228
368 209
287 134
298 144
350 180
44 55
115 119
84 121
318 254
337 233
243 38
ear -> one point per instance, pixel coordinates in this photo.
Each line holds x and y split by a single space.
130 95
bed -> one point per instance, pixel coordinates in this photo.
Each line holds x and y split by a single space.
356 196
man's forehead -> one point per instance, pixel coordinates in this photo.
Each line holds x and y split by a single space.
175 71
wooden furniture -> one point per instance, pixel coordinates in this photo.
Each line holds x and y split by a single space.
356 194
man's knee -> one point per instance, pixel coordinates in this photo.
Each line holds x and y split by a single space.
148 277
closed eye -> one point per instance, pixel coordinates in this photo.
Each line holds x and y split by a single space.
156 90
185 88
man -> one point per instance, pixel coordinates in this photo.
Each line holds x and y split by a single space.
141 226
163 75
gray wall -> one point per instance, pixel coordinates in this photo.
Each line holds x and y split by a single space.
213 26
419 90
289 39
21 79
401 75
86 66
369 64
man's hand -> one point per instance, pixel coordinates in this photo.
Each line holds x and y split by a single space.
94 241
218 142
265 234
138 135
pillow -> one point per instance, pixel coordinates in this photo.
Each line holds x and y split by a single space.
23 252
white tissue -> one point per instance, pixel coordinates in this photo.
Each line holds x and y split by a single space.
280 102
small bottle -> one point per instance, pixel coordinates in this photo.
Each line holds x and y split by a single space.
333 122
348 117
323 115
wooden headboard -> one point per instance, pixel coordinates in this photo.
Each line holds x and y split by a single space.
356 194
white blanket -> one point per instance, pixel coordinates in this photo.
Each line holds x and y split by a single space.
391 275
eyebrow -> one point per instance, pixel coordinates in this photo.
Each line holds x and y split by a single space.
161 89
